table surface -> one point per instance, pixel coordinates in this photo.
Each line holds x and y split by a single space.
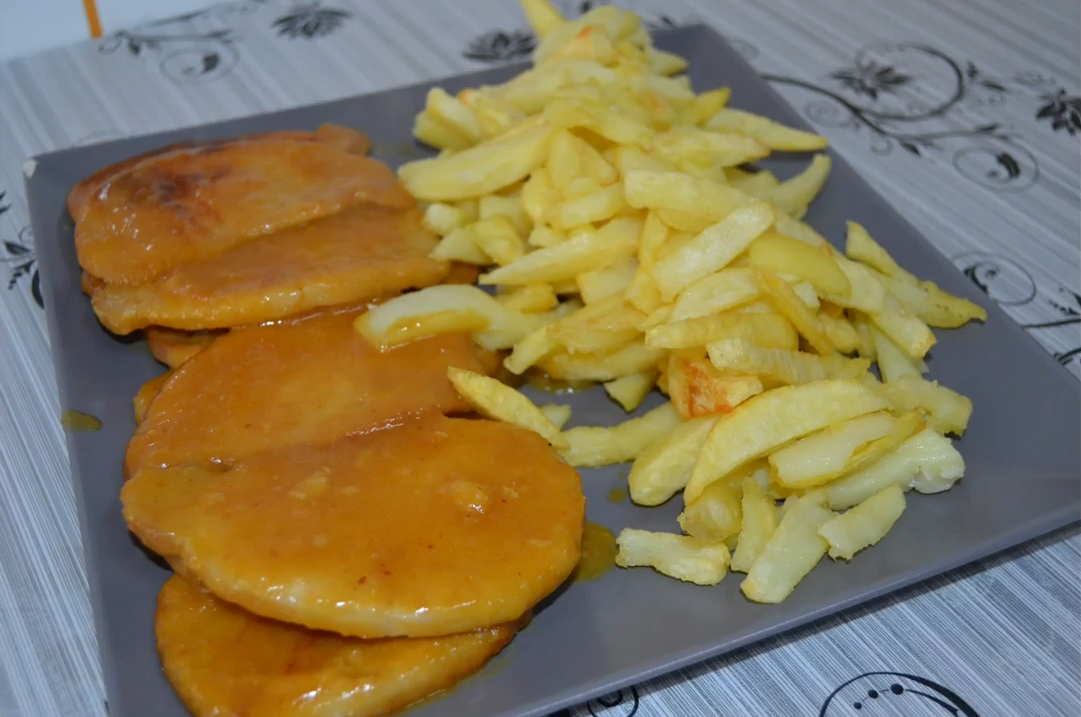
963 113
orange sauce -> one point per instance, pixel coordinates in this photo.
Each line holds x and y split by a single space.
598 552
77 421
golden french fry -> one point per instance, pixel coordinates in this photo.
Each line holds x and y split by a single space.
556 413
932 305
706 105
765 330
782 365
602 283
443 218
498 401
542 16
758 185
867 294
707 148
715 515
497 238
790 553
862 248
816 459
481 169
696 388
439 134
796 194
642 293
804 292
543 236
684 222
572 157
711 250
592 446
539 195
775 418
786 302
616 23
394 321
865 524
666 63
785 255
627 159
947 411
791 227
601 334
912 335
718 292
564 162
630 391
844 336
893 363
563 262
631 359
759 521
676 240
659 316
664 467
531 350
863 327
595 207
772 134
570 113
530 299
647 189
495 205
904 428
694 560
927 462
494 117
453 113
590 43
461 245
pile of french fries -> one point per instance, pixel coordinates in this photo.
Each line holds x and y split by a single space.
629 244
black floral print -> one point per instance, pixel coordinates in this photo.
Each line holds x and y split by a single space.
1062 111
501 46
311 21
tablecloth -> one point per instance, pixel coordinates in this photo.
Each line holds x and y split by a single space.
963 113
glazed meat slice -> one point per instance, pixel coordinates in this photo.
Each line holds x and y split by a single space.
150 215
225 662
434 526
358 254
311 379
172 347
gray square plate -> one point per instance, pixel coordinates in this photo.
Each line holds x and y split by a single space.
1021 448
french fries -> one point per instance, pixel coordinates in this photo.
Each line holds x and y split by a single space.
696 560
696 388
712 250
774 419
611 211
772 134
865 524
664 467
759 518
766 330
630 391
791 552
497 400
591 446
716 515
